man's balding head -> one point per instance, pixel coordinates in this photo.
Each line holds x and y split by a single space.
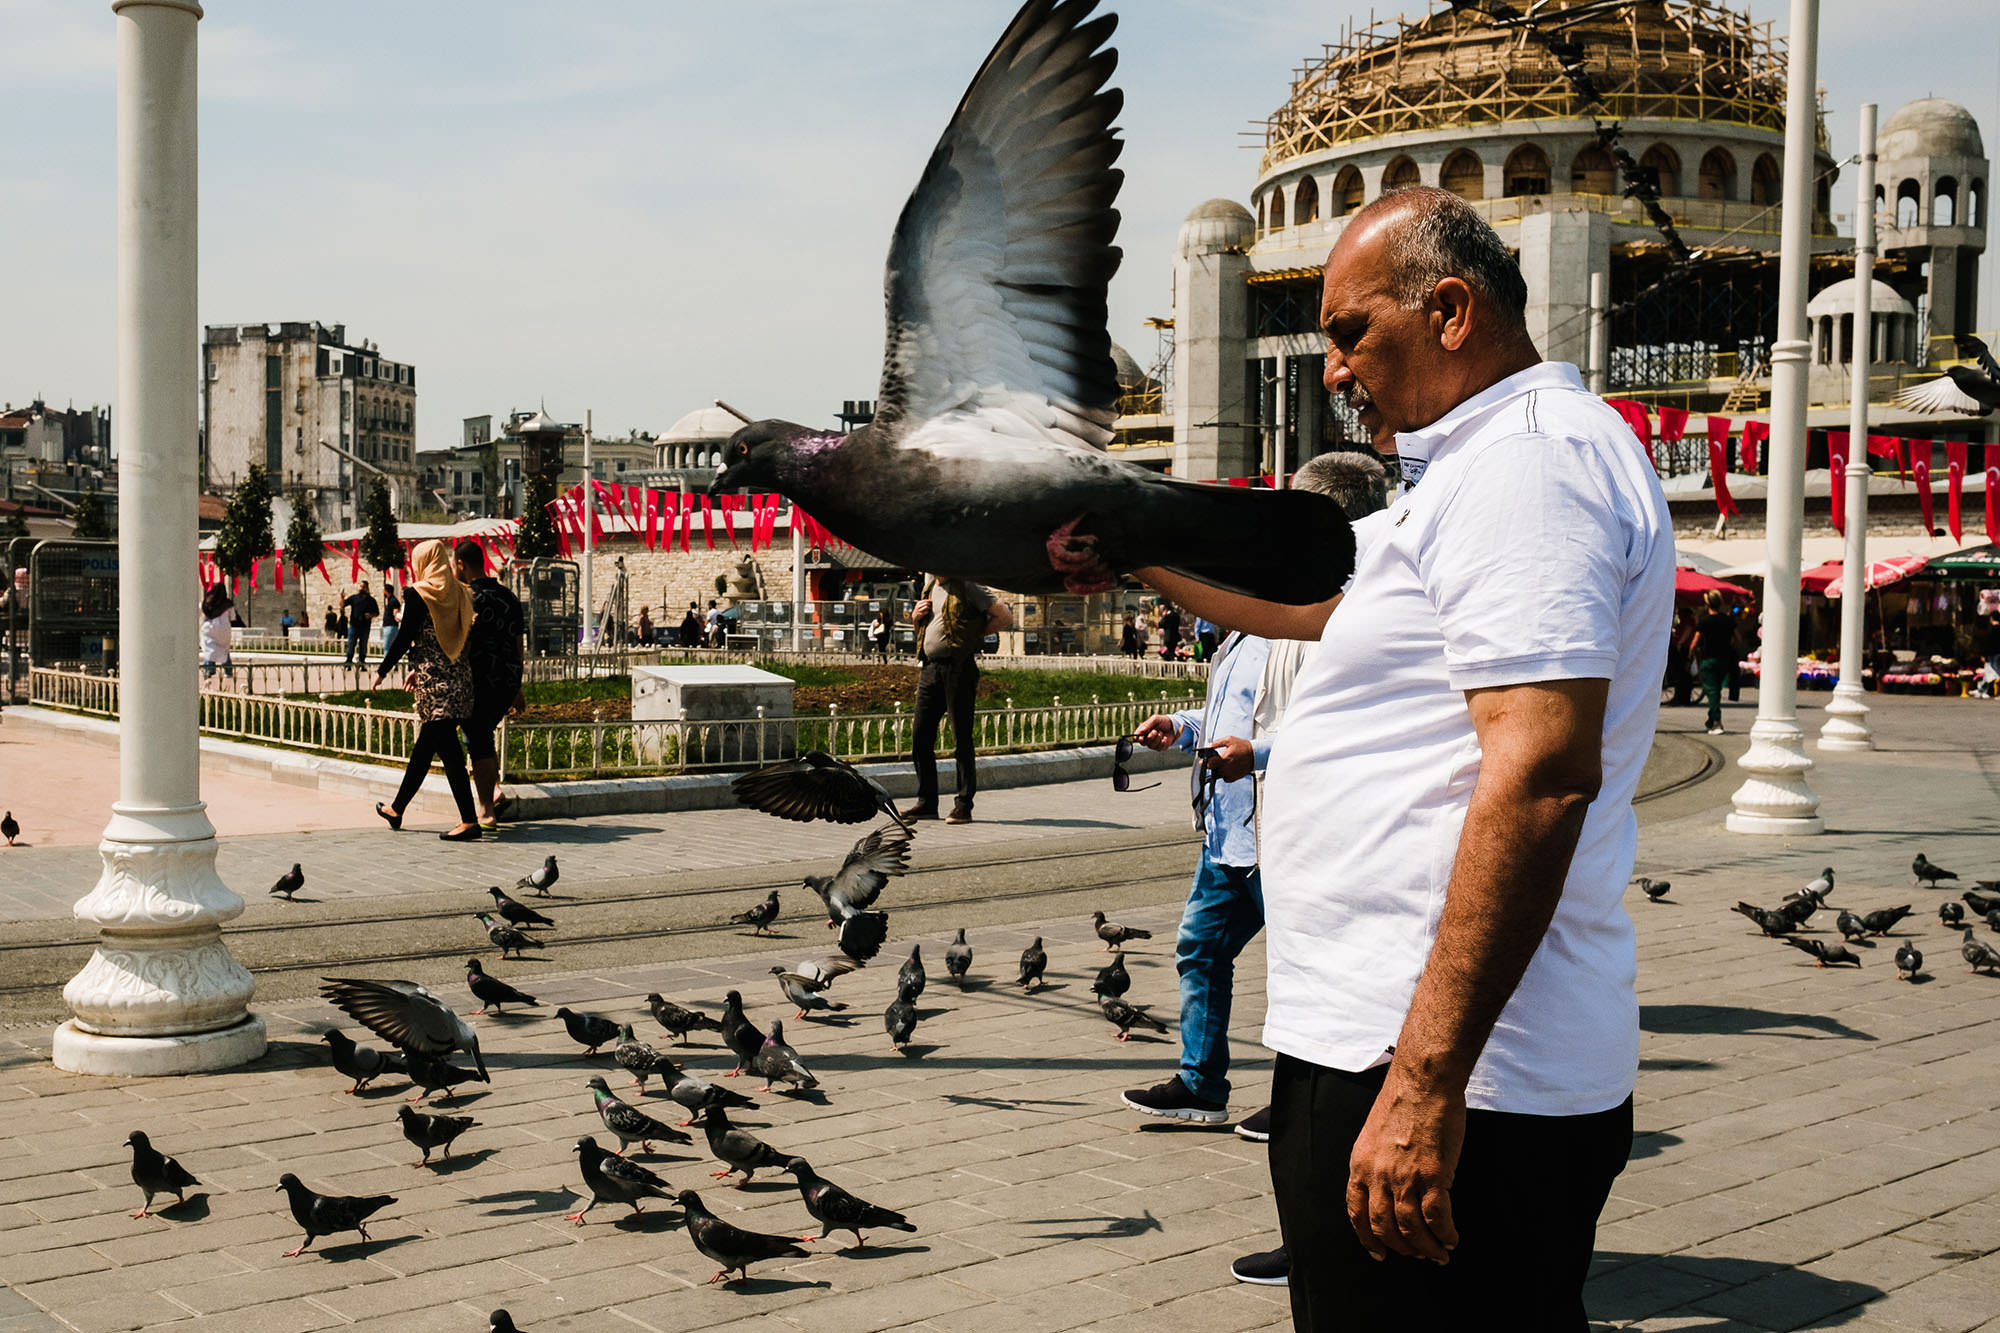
1433 235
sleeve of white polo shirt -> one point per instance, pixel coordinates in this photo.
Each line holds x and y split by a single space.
1527 564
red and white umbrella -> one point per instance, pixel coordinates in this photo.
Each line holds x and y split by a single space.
1879 574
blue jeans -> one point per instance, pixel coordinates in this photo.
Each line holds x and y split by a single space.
1225 910
357 642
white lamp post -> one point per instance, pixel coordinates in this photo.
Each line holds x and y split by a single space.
1846 726
161 995
1774 798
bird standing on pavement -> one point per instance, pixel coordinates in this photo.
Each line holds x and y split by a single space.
432 1131
587 1030
737 1149
1978 954
1923 871
431 1074
900 1020
1981 903
739 1034
612 1179
406 1014
858 883
1125 1017
1908 960
761 916
500 1322
1820 888
491 992
1034 962
1113 979
958 959
837 1210
679 1020
804 991
325 1214
628 1122
910 977
1115 935
815 786
731 1246
519 914
1771 923
1824 954
779 1063
697 1095
635 1057
506 937
360 1063
1654 889
1850 926
1950 913
542 880
10 828
156 1173
1883 921
289 883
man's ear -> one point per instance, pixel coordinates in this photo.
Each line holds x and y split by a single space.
1451 313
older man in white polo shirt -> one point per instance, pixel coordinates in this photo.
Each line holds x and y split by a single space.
1448 823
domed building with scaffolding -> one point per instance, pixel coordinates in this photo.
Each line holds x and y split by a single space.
1633 148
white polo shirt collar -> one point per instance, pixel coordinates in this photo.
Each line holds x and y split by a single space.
1416 449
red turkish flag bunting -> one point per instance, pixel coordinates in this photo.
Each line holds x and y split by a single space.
1673 423
1718 473
1888 446
1954 466
1993 493
1754 434
1837 442
1920 472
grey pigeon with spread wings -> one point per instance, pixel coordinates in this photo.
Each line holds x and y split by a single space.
1972 391
879 854
815 786
986 455
404 1013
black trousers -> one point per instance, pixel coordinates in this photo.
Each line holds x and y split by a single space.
945 687
1525 1200
438 740
487 710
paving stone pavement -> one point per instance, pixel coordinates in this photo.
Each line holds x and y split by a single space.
1816 1148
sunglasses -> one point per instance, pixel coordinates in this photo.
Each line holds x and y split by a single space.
1121 781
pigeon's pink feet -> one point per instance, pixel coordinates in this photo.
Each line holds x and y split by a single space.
1075 558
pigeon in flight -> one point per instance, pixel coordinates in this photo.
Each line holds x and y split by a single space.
289 883
1115 935
156 1173
432 1131
405 1014
910 977
986 458
635 1057
588 1030
542 880
1654 889
739 1034
1978 954
679 1020
737 1149
1034 962
779 1063
900 1020
815 786
731 1246
1113 979
10 827
1950 913
325 1214
837 1210
628 1122
1824 952
363 1064
698 1095
760 916
614 1180
1909 961
1883 921
804 992
1923 871
517 913
1125 1017
491 992
958 959
879 854
1967 390
506 937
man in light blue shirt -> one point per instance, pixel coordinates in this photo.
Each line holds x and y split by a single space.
1225 908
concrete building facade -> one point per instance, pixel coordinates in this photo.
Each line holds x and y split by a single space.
483 476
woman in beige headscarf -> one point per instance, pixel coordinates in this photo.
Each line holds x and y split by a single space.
437 617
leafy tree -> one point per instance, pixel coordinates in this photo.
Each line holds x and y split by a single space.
537 538
303 545
92 519
380 546
245 536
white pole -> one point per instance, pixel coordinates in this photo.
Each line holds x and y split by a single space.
798 580
1774 798
161 995
1600 300
589 545
1846 726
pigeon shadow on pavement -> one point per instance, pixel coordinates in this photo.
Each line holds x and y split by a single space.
880 1251
1669 1064
765 1286
363 1249
1624 1287
529 1201
1006 1103
193 1209
1731 1020
457 1162
647 1222
1112 1226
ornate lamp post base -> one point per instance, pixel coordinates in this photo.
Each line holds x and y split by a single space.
1846 726
82 1052
1775 799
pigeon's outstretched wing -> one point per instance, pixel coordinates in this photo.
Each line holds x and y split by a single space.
404 1013
881 853
814 786
863 934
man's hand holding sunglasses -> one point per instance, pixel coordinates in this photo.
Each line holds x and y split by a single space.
1158 732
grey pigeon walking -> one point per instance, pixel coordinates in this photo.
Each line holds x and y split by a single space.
542 880
779 1063
506 937
1950 913
804 992
406 1015
815 786
1654 889
1978 954
289 883
156 1173
1125 1017
328 1214
1115 935
731 1246
698 1095
1993 920
679 1020
986 456
589 1031
1112 979
1034 962
491 992
900 1020
858 883
432 1131
837 1210
628 1122
1883 921
739 1033
1819 889
958 959
1981 903
1922 871
737 1149
635 1056
1850 926
610 1179
519 914
760 916
1909 961
1825 953
363 1064
910 976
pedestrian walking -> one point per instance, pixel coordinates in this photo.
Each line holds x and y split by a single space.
437 621
1713 648
878 637
361 609
217 613
497 652
1170 633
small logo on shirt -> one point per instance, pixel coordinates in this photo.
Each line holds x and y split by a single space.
1413 469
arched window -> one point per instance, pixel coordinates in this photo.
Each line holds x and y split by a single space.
1464 175
1944 202
1593 172
1526 172
1274 216
1305 201
1909 208
1402 173
1765 180
1346 195
1718 175
1665 164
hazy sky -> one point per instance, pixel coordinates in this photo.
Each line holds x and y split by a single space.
636 206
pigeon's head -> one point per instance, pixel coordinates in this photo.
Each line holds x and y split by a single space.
688 1199
761 454
734 999
777 1033
565 1012
288 1182
137 1139
778 971
597 1084
798 1166
472 965
585 1143
406 1113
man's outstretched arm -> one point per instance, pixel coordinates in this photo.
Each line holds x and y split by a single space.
1268 620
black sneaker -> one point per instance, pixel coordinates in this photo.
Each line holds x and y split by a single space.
1273 1268
1173 1101
1255 1127
920 812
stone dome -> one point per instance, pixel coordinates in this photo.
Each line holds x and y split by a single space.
1219 224
1930 127
704 423
1126 366
1838 299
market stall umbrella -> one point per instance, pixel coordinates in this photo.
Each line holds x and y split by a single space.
1975 562
1689 583
1879 574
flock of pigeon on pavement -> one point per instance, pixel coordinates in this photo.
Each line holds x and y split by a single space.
426 1031
1790 917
